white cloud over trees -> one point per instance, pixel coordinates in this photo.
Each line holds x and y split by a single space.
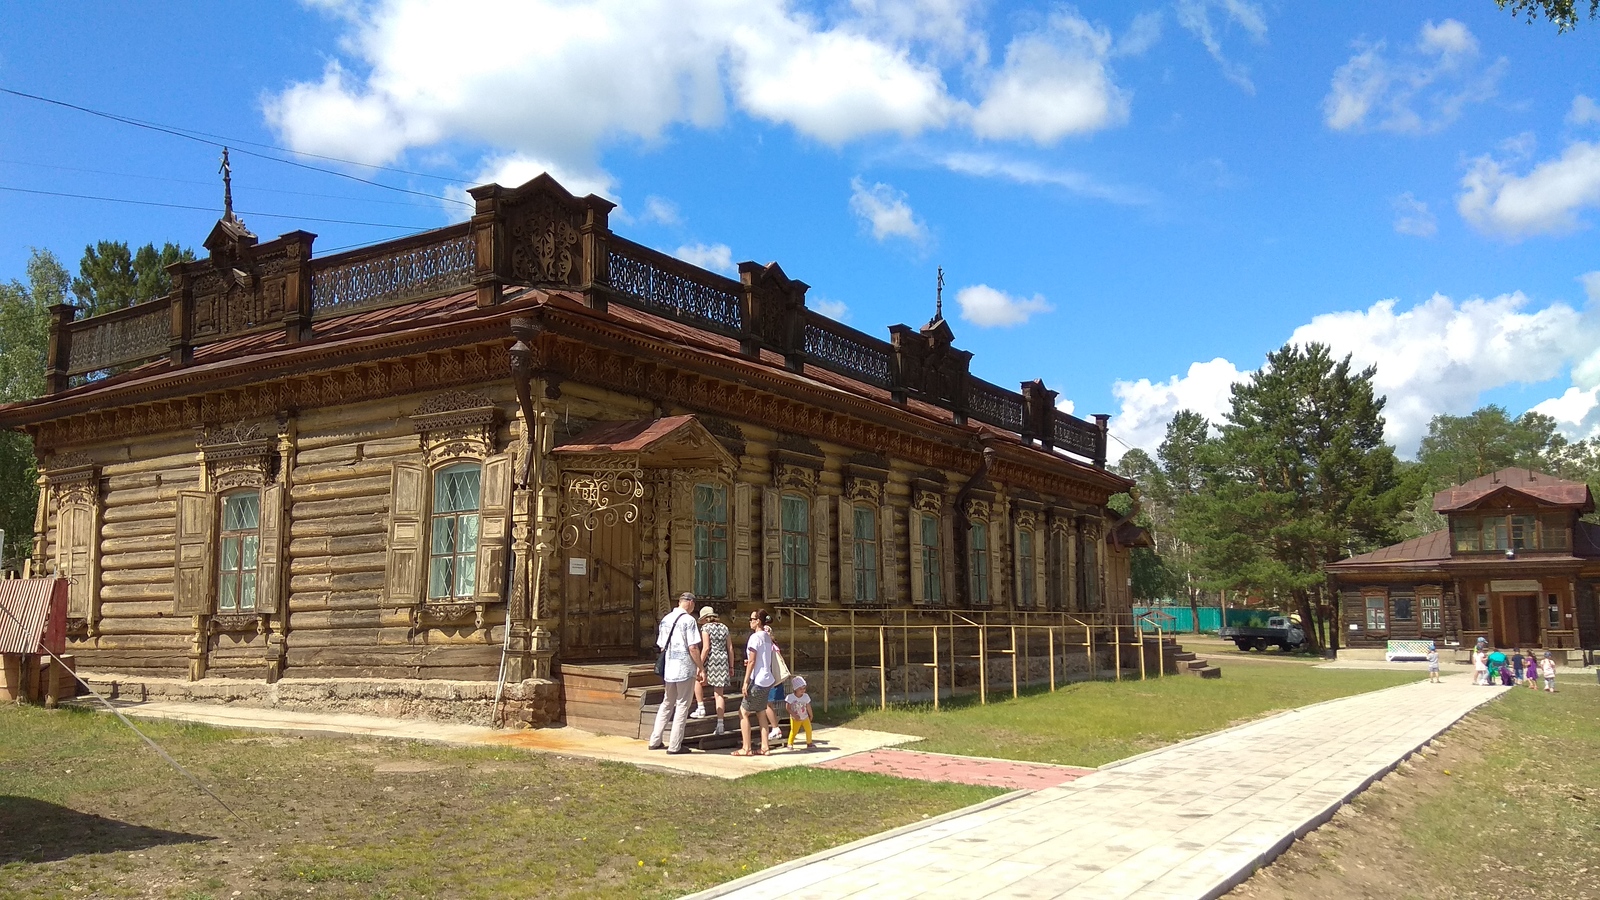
1420 89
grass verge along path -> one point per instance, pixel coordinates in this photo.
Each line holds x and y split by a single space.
87 811
1093 723
1504 805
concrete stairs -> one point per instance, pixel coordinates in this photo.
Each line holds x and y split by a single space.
1177 661
622 699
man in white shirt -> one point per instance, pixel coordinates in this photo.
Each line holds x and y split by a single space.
679 636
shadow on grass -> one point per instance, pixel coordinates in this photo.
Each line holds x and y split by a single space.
35 831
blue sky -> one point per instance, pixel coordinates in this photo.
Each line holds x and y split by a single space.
1135 202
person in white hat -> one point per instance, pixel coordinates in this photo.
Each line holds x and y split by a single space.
716 650
799 703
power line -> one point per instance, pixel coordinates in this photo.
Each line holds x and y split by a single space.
262 215
212 140
412 203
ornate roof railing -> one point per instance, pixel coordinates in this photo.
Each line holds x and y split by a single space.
541 236
423 265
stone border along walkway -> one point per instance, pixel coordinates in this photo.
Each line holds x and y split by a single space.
1188 821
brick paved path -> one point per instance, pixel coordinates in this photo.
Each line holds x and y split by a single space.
1188 821
960 769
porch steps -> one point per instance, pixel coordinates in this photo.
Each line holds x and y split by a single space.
622 699
1177 661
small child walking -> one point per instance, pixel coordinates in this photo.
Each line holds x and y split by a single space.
1433 664
1547 668
799 704
1531 674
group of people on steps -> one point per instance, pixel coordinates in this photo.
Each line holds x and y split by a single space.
698 653
1492 666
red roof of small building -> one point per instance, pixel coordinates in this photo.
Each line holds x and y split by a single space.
1433 547
33 615
1539 488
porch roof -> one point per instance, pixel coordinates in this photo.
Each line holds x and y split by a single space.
669 442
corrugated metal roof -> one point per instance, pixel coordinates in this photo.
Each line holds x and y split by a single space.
1545 490
1433 547
32 611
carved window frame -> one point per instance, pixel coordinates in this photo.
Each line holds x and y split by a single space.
981 552
797 476
864 491
717 482
1028 522
75 486
1061 561
928 508
237 459
242 534
457 519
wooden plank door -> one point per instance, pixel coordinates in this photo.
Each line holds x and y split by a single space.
1528 621
600 612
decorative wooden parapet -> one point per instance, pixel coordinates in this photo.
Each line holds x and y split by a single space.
1039 413
422 265
242 287
539 234
773 308
673 289
930 368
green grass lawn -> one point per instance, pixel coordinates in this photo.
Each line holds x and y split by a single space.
87 811
1093 723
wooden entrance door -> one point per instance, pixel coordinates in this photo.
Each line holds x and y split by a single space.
600 608
1519 621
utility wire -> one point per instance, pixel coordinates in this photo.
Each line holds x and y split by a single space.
213 141
209 184
263 215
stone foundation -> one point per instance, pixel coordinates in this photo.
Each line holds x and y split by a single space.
535 702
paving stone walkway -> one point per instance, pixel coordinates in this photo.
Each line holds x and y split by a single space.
960 769
1188 821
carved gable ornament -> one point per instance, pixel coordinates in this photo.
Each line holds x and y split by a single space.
457 425
75 484
545 228
239 455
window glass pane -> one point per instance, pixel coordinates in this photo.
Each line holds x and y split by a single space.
252 549
466 575
930 531
978 537
1523 536
796 514
1375 614
1402 608
1496 534
467 534
230 553
444 535
439 576
1483 611
455 489
1555 534
228 591
1466 531
247 590
710 503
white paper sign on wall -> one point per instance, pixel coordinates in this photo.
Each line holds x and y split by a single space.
577 566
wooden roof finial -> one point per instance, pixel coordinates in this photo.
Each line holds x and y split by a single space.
227 187
938 297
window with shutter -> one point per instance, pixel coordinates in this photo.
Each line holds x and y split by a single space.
978 562
710 541
453 532
1025 568
932 566
239 552
795 545
864 553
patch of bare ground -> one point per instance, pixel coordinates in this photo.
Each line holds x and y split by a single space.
1504 805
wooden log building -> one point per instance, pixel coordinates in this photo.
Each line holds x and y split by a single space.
518 437
1517 566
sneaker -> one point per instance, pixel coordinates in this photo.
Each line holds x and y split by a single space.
656 747
775 734
680 751
699 713
721 729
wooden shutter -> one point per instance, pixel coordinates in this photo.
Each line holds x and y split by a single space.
847 552
1000 553
888 573
680 570
947 568
494 528
1038 568
740 589
74 551
407 559
914 544
269 561
772 544
192 570
821 552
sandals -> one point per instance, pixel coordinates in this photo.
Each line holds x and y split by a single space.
743 752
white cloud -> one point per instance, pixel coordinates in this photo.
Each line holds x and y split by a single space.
1412 216
1420 93
1438 356
1143 33
412 74
1066 406
984 165
1148 406
833 309
886 211
1546 200
1054 83
716 257
989 308
661 211
1195 17
1584 111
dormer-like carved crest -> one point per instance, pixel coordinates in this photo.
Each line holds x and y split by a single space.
926 500
77 485
795 477
795 466
1062 525
977 510
544 242
457 425
1027 519
863 490
239 455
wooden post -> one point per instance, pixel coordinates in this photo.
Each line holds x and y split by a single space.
59 348
1013 662
1138 632
905 656
1116 649
983 665
935 668
852 657
1161 652
1088 634
827 652
1052 633
883 674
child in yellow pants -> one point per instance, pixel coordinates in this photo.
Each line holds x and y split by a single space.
799 703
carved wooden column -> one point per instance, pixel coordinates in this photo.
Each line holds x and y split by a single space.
1101 423
1039 413
60 349
180 348
297 285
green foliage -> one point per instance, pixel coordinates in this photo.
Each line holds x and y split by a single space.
112 277
1299 477
1457 449
24 335
1564 14
1152 578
